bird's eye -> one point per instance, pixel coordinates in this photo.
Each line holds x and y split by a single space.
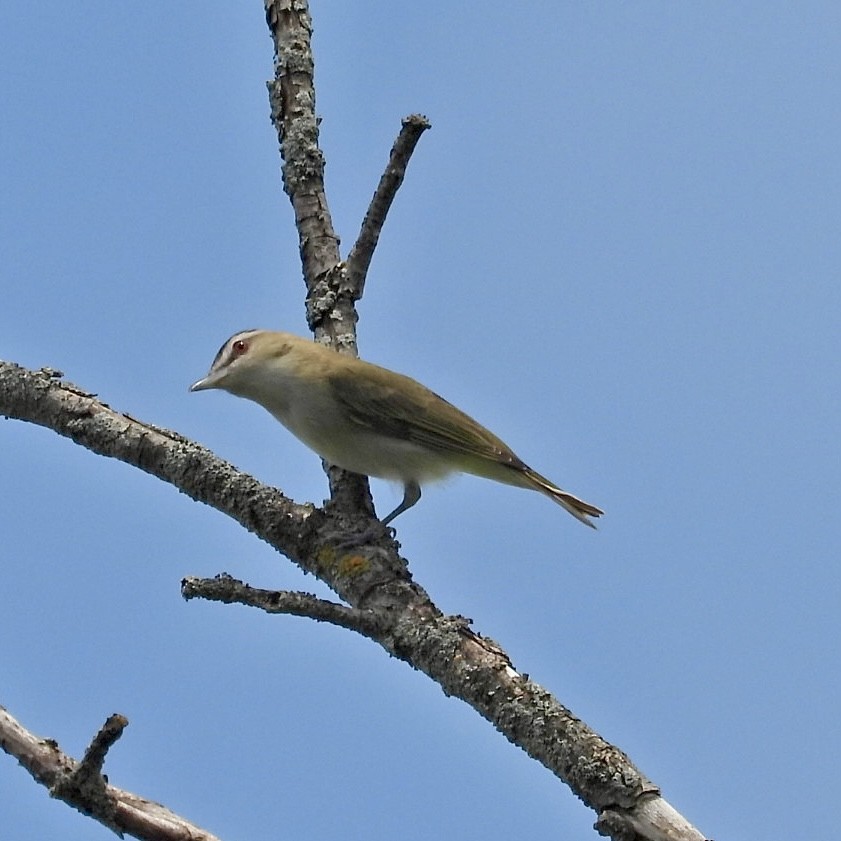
239 347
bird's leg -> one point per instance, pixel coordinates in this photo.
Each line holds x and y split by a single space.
411 494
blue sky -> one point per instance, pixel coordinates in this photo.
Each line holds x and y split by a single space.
618 248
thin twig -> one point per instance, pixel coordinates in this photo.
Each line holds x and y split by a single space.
360 255
94 758
224 588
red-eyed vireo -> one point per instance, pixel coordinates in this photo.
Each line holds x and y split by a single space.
368 419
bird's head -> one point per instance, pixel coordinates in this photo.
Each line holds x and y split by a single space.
249 362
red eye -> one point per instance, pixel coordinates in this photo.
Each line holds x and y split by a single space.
239 347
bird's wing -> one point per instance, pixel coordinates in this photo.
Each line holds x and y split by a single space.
413 413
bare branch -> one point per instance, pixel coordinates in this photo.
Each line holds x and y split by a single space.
653 819
82 786
292 98
331 314
37 397
363 250
94 757
224 588
371 579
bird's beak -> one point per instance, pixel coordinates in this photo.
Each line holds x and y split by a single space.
207 382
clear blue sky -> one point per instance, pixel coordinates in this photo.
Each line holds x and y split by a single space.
618 248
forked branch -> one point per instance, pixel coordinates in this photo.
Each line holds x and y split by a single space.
82 786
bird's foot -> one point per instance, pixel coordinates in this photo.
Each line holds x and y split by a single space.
374 533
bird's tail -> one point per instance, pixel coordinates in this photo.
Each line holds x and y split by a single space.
577 507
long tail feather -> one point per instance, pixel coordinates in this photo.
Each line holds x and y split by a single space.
577 507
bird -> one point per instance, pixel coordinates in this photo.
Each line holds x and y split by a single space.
368 419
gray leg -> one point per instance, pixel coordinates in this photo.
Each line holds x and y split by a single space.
411 494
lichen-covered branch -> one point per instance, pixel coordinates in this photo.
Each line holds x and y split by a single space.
40 397
374 578
292 99
330 310
332 286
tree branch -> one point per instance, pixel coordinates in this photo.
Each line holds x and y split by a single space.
292 99
224 588
372 579
39 397
363 250
330 311
82 786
